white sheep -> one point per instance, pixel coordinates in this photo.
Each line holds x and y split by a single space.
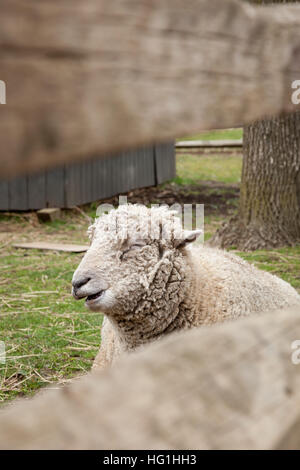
142 272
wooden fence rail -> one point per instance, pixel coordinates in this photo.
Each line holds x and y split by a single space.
231 386
99 76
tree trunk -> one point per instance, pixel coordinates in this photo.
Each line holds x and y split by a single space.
269 210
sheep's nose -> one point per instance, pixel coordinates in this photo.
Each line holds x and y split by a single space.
78 283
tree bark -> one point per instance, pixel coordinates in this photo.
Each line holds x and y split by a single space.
269 209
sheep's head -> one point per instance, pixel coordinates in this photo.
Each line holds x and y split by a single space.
133 249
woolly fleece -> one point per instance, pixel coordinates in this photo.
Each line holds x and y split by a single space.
155 281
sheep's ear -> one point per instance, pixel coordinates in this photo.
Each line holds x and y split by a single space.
189 236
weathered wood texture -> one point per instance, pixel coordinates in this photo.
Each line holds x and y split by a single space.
186 144
228 386
99 76
52 246
87 181
48 214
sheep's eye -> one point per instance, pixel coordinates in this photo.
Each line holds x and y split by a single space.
135 246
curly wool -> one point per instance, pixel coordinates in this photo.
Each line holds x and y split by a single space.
168 284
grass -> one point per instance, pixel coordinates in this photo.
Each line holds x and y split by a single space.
192 168
49 337
218 134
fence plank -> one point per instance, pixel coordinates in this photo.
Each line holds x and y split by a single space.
36 187
146 174
18 198
124 73
101 177
73 186
164 162
91 180
230 386
55 188
187 144
4 196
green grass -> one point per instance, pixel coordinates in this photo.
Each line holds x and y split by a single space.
211 224
218 134
192 168
49 337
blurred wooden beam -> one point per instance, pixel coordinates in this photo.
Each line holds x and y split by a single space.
187 144
230 386
86 78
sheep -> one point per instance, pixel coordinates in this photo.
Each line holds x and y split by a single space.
143 272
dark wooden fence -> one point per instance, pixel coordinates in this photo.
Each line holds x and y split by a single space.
91 180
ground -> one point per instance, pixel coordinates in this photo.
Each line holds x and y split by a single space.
49 337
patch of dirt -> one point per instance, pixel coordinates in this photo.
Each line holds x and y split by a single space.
218 198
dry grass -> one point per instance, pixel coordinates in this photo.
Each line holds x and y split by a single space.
49 337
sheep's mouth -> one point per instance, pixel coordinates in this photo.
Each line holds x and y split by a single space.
95 296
